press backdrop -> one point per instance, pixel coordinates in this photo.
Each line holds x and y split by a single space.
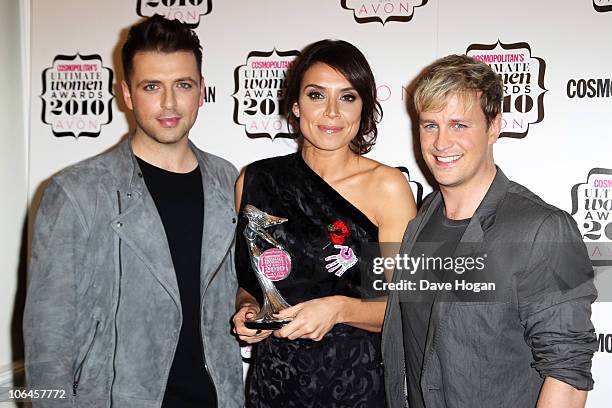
553 55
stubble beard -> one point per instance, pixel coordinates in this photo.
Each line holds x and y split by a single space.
173 136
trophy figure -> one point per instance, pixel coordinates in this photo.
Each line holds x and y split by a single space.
271 265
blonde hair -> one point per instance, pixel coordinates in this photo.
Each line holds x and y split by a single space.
461 76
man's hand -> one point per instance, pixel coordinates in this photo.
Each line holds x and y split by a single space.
245 312
311 319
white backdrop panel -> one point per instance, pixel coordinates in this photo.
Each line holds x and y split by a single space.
571 37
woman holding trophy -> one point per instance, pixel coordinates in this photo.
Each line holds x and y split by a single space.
318 209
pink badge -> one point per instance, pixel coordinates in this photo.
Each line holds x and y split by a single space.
275 264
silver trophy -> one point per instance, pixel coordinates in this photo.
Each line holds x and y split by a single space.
270 265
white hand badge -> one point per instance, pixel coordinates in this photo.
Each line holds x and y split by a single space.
342 261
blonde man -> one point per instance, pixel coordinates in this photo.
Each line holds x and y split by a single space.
526 338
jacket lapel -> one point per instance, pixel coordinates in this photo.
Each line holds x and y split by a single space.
470 243
140 227
138 223
412 232
392 334
219 223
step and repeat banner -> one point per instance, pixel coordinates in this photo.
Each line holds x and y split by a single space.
552 55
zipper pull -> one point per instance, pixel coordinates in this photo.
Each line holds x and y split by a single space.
75 385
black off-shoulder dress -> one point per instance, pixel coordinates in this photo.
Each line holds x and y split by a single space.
343 369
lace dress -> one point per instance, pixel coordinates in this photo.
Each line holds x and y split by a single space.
343 369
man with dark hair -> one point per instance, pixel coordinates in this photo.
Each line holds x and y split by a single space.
524 337
131 278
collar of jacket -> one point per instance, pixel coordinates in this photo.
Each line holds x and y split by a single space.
127 164
392 343
483 218
138 223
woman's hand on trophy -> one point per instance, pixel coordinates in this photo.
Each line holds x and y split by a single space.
245 312
311 319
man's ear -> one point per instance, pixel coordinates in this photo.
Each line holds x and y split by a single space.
495 129
127 96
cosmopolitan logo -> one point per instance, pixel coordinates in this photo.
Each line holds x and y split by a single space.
381 11
187 11
210 94
604 343
523 77
77 95
589 88
260 92
602 5
592 210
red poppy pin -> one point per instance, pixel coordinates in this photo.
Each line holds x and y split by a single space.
338 231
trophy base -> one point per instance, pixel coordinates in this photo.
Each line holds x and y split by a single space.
266 324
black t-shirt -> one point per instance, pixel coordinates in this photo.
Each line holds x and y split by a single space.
439 238
179 199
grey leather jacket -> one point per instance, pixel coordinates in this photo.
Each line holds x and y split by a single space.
103 313
496 354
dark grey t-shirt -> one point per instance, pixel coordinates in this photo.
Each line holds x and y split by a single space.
439 238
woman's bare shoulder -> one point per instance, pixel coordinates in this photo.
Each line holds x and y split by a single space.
387 180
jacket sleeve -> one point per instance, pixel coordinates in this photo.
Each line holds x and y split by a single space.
555 293
50 311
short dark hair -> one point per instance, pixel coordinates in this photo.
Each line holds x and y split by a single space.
157 33
345 58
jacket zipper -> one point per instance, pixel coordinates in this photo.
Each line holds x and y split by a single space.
79 370
118 301
202 334
202 345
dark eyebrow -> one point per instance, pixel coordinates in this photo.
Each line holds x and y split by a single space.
148 81
155 81
323 88
186 79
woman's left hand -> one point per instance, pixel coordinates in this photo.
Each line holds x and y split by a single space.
311 319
